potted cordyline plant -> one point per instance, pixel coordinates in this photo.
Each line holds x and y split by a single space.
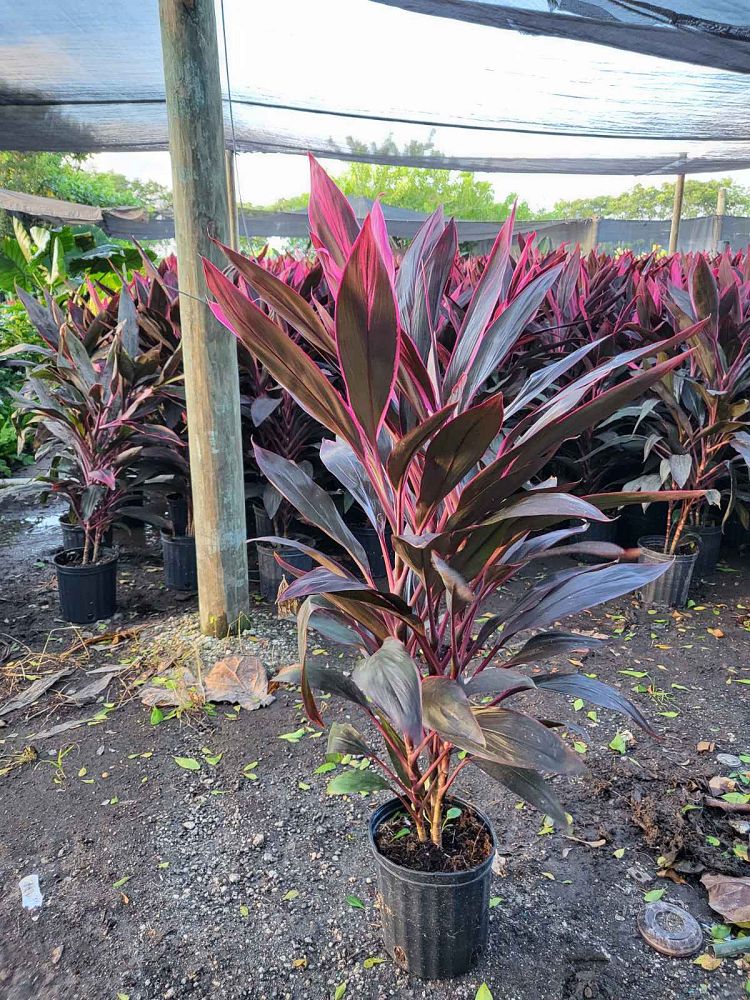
96 420
697 429
410 432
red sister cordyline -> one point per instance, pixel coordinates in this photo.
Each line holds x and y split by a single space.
446 474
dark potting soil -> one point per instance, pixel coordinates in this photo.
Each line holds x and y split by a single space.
74 557
466 844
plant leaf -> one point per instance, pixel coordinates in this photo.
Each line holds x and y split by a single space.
310 500
518 740
528 785
447 710
456 448
367 332
598 693
390 678
352 780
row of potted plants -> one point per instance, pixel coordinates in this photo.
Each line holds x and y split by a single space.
575 313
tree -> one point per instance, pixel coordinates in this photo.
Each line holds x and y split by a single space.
61 175
651 202
421 190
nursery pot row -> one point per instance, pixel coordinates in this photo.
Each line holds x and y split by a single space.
435 924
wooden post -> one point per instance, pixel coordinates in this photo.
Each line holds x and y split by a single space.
196 144
721 207
234 241
593 233
674 232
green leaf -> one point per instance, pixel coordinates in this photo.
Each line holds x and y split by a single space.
403 832
121 881
495 901
353 781
157 715
244 911
289 896
325 768
619 852
370 963
453 813
483 993
189 763
294 737
340 991
653 896
618 743
355 902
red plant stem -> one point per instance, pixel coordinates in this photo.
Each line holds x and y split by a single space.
462 764
418 750
436 763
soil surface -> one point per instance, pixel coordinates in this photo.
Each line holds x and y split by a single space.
200 857
466 842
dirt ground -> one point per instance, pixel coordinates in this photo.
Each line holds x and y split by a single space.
161 882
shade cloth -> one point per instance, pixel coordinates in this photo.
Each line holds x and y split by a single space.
704 32
358 80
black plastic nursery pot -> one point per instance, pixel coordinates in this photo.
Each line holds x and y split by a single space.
87 593
263 523
635 523
434 923
180 564
73 537
177 506
672 588
367 536
708 553
270 574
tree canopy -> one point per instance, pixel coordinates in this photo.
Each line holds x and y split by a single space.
652 202
421 190
61 175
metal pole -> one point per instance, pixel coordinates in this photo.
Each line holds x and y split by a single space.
674 232
196 144
230 157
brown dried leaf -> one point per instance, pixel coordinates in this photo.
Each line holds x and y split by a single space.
730 897
705 747
241 680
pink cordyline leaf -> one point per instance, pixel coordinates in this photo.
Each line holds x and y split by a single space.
367 332
333 225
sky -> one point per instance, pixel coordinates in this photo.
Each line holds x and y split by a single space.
354 54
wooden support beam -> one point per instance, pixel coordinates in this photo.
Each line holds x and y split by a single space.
721 207
196 144
234 238
674 232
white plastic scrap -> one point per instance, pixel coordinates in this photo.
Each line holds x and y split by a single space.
31 894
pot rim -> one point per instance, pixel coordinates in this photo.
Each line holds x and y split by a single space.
169 536
384 812
112 553
649 544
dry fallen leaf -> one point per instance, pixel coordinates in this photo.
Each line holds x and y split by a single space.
716 633
705 747
707 962
730 897
720 784
241 680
